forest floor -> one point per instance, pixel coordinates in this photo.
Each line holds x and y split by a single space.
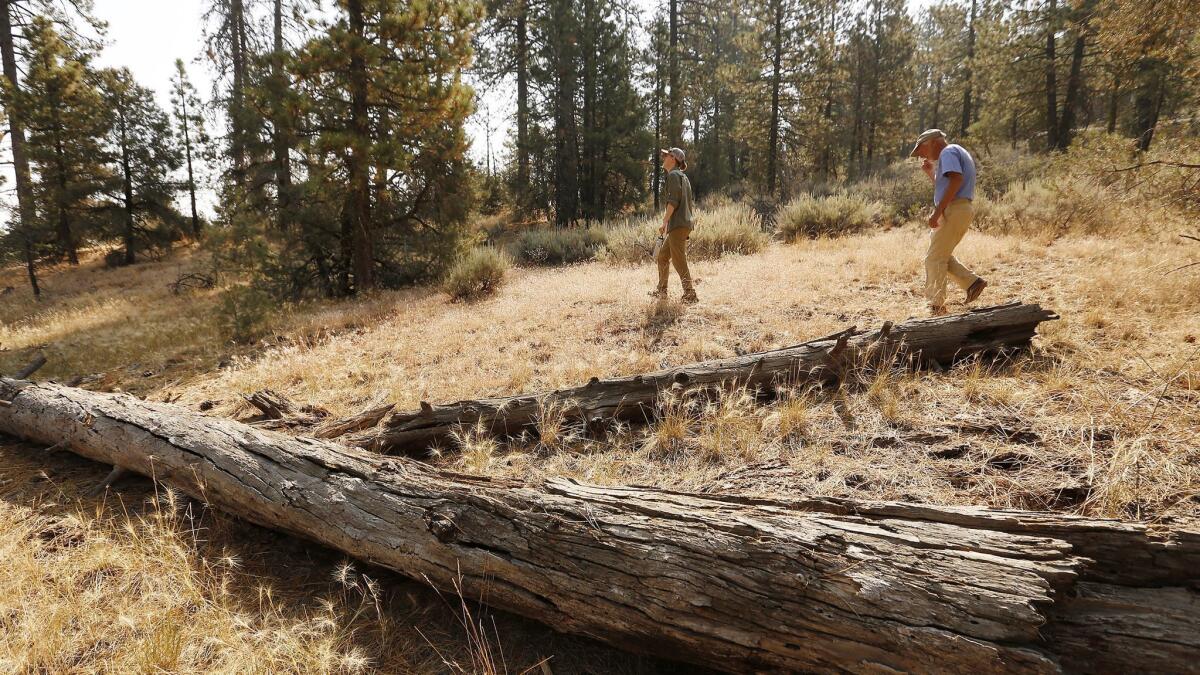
1100 418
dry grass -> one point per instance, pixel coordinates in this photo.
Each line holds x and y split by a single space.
1101 419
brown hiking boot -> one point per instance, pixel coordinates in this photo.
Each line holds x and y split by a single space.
975 289
690 298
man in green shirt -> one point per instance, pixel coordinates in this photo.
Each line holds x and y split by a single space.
676 227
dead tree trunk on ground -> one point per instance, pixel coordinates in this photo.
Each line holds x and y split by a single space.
936 340
724 581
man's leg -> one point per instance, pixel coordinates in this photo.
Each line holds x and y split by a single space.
959 217
677 242
942 241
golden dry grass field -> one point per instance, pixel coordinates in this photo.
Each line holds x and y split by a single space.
1101 418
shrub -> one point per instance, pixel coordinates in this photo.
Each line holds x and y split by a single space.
903 191
835 215
729 228
245 310
732 228
476 274
558 247
1056 207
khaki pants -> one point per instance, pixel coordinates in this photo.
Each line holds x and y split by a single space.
940 260
674 251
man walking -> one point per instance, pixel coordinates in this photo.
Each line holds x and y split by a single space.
676 226
952 170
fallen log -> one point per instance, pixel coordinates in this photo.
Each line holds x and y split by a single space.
723 581
933 340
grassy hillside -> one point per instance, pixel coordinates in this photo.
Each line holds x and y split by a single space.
1102 418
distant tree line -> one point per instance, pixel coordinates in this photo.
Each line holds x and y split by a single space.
341 153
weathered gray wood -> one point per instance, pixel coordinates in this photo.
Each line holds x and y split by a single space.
932 340
719 580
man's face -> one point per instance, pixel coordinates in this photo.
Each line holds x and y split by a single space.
669 162
925 150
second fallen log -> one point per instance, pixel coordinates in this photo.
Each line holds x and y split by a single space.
936 340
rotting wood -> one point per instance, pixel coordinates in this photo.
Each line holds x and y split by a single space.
721 580
635 398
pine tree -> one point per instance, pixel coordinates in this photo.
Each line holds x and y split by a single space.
190 129
145 155
65 114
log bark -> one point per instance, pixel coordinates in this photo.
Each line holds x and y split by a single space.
934 340
735 583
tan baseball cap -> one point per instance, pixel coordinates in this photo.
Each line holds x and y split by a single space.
926 135
679 155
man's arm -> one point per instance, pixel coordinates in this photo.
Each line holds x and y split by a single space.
927 167
674 193
667 218
952 187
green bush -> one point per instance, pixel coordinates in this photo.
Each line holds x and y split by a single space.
835 215
724 229
245 311
558 246
477 273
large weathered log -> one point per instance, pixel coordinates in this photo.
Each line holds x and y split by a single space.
939 340
720 580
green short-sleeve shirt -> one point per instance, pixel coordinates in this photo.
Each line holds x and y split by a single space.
679 195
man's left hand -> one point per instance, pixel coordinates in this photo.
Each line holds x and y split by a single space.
935 219
663 228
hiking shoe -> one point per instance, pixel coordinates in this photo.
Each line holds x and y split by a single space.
976 289
690 298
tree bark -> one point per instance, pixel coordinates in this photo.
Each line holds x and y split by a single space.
16 132
359 195
968 73
280 141
724 581
636 397
675 113
1066 127
127 189
776 80
522 149
1051 77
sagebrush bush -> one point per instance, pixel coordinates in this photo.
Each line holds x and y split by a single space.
835 215
902 190
730 228
558 246
477 273
1056 207
725 229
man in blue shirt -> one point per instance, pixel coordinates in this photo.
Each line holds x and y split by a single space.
952 170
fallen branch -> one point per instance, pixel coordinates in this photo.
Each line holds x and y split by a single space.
724 581
930 341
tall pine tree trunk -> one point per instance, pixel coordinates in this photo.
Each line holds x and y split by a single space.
283 164
675 120
359 195
1066 127
658 114
237 107
127 185
969 73
566 190
776 78
66 239
191 175
1051 77
16 133
1114 97
1147 102
522 191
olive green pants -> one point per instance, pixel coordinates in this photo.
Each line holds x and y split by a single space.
674 251
940 260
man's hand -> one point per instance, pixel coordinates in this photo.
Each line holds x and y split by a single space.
927 167
935 219
662 229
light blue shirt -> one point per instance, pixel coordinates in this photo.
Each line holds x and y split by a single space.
954 159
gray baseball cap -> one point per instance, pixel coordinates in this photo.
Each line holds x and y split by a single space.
926 135
679 155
